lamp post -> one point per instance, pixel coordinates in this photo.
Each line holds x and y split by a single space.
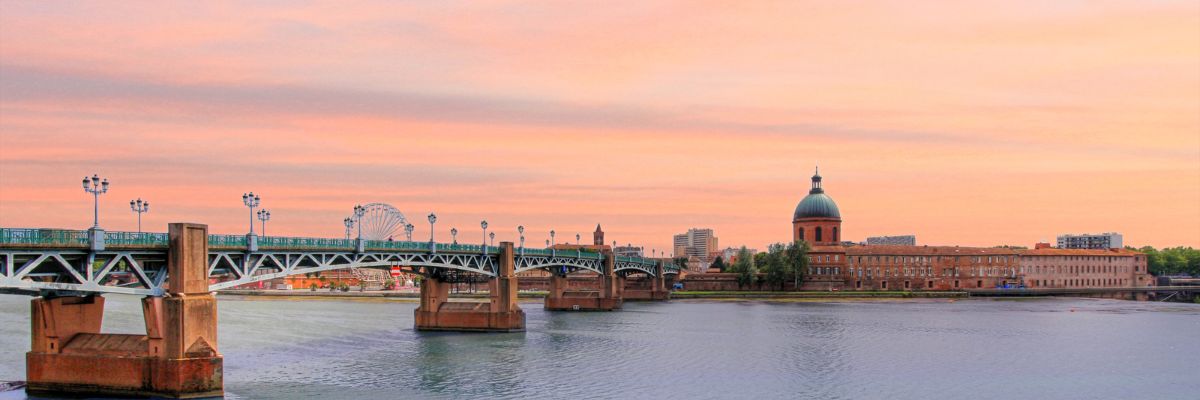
521 231
359 211
577 239
492 236
408 230
552 237
454 235
138 206
349 222
483 224
432 220
252 201
94 186
264 216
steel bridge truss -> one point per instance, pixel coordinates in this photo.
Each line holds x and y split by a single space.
144 272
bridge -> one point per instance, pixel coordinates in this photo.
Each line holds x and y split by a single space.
178 272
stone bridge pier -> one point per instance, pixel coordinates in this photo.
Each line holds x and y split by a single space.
607 298
500 313
656 292
176 358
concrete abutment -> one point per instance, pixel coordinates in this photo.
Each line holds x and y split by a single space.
500 313
176 358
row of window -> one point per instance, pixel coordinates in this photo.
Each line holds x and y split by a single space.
1079 282
928 259
817 235
1077 269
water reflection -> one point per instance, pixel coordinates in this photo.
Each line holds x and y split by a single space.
1054 348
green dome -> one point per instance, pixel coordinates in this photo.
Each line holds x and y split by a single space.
817 204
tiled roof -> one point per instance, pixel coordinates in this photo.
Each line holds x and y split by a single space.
928 250
1078 252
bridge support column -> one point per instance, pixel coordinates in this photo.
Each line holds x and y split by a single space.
177 358
500 313
608 298
656 292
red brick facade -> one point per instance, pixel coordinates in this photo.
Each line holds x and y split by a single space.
833 266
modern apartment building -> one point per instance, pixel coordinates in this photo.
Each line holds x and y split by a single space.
1107 240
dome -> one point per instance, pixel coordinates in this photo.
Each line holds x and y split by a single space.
817 204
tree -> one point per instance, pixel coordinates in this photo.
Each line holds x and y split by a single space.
775 266
797 261
744 268
719 264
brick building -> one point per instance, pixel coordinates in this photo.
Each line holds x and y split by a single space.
833 265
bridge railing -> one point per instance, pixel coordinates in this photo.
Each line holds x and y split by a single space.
134 239
79 238
227 241
302 242
43 237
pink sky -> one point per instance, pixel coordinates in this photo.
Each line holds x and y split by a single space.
969 123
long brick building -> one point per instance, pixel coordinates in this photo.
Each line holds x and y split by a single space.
833 265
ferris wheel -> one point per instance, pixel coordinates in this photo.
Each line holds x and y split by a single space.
379 221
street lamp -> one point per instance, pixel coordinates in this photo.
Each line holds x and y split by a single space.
349 224
432 220
483 224
252 201
454 235
521 231
96 188
264 216
408 230
139 207
552 237
493 237
359 211
577 239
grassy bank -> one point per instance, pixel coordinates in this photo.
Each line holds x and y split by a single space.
814 295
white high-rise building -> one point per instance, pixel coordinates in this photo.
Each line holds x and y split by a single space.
696 242
1107 240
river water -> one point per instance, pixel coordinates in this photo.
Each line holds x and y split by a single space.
979 348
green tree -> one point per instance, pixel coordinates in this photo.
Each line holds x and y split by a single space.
775 265
744 268
719 264
797 261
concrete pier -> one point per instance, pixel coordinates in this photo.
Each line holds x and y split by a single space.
606 298
656 292
176 358
499 314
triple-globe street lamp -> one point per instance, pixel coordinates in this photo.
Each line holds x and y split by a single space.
96 187
138 206
432 220
264 216
252 201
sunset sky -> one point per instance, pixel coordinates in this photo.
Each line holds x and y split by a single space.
969 123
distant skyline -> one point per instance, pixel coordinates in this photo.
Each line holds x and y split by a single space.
970 123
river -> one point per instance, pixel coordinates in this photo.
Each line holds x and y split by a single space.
913 349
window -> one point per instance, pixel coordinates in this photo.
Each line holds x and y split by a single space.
817 238
801 234
835 234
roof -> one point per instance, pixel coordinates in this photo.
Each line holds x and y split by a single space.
1079 252
927 250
